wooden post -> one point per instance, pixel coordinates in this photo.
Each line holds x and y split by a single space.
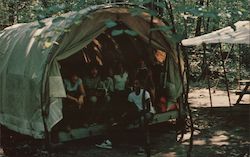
187 104
207 76
180 99
225 76
239 67
146 127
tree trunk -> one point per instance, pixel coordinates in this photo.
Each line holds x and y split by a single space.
199 22
208 20
170 12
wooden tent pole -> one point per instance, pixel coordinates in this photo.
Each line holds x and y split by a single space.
187 104
180 99
183 88
187 92
182 79
239 66
146 126
44 115
206 75
225 76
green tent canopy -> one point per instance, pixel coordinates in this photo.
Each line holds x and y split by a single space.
31 86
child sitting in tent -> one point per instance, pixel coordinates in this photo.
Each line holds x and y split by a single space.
120 90
74 101
145 76
95 94
107 85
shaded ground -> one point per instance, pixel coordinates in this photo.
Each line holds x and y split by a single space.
220 131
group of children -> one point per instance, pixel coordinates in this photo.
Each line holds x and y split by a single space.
104 96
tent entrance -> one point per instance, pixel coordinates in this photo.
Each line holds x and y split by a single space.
107 51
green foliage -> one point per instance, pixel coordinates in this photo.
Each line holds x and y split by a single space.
110 23
130 32
162 28
160 4
117 32
236 63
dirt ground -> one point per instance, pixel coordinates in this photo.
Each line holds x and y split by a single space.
220 131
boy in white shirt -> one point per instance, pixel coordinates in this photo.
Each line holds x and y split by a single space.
141 99
136 97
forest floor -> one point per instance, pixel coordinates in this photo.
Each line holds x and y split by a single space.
220 131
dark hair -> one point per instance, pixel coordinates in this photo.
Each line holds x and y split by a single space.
93 66
137 79
68 72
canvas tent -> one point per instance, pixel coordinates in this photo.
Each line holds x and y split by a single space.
241 35
31 86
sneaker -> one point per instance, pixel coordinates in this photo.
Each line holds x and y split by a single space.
93 124
107 144
114 124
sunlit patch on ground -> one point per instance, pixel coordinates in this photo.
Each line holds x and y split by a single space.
219 140
199 142
170 154
200 98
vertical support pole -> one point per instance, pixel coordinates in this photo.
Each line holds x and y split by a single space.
187 105
45 111
47 135
182 79
239 67
225 77
1 137
207 76
181 120
146 126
